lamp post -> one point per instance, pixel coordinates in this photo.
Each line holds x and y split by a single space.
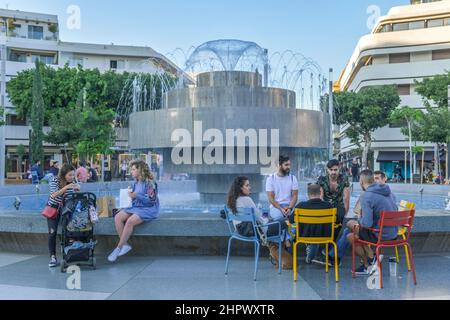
330 111
2 101
447 158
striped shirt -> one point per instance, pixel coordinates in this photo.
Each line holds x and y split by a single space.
54 186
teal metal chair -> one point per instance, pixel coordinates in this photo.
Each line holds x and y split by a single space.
248 215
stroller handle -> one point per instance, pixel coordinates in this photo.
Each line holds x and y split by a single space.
80 195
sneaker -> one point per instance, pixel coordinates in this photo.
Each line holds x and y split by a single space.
332 261
114 255
53 262
124 250
321 260
362 271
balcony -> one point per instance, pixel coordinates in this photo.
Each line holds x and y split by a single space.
394 42
390 73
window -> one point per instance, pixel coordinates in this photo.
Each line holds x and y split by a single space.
17 56
400 26
447 21
14 120
400 58
117 64
435 23
417 25
441 54
35 32
386 28
43 59
398 124
404 89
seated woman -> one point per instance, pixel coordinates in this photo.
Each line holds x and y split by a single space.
145 207
239 197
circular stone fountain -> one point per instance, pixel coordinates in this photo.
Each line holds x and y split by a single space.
195 131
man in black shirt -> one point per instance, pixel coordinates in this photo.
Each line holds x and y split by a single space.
312 230
355 170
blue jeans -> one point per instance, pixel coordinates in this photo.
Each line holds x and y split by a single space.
342 245
276 215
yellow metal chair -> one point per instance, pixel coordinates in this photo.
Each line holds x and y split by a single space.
404 206
323 216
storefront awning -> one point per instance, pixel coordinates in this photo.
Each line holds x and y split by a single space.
390 156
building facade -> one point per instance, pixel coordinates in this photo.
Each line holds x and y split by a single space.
26 37
410 43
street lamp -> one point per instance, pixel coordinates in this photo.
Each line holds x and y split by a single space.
330 111
3 129
447 159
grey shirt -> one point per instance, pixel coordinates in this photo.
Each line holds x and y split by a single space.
247 202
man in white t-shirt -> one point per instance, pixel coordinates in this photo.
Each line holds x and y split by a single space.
282 190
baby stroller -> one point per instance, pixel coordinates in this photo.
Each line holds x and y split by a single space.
77 235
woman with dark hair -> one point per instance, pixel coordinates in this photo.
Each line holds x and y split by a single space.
145 207
239 197
59 186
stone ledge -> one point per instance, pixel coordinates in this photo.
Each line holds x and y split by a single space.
189 224
168 225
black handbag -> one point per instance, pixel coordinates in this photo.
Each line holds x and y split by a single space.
245 229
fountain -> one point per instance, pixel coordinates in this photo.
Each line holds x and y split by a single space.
143 92
228 123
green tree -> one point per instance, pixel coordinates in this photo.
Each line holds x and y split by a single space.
434 90
364 112
20 90
80 103
61 87
435 125
37 118
410 118
98 133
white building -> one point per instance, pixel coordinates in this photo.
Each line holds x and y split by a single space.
410 43
26 37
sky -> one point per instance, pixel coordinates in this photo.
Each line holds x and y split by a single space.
324 30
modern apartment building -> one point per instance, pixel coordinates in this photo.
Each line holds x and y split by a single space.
411 42
26 37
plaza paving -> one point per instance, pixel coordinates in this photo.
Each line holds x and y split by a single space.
202 278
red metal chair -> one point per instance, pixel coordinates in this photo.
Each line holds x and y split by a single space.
389 219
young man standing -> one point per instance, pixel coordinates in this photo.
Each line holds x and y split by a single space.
282 191
335 189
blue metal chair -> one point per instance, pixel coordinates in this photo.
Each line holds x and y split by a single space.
248 215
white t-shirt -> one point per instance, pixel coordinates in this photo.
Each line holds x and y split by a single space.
282 187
